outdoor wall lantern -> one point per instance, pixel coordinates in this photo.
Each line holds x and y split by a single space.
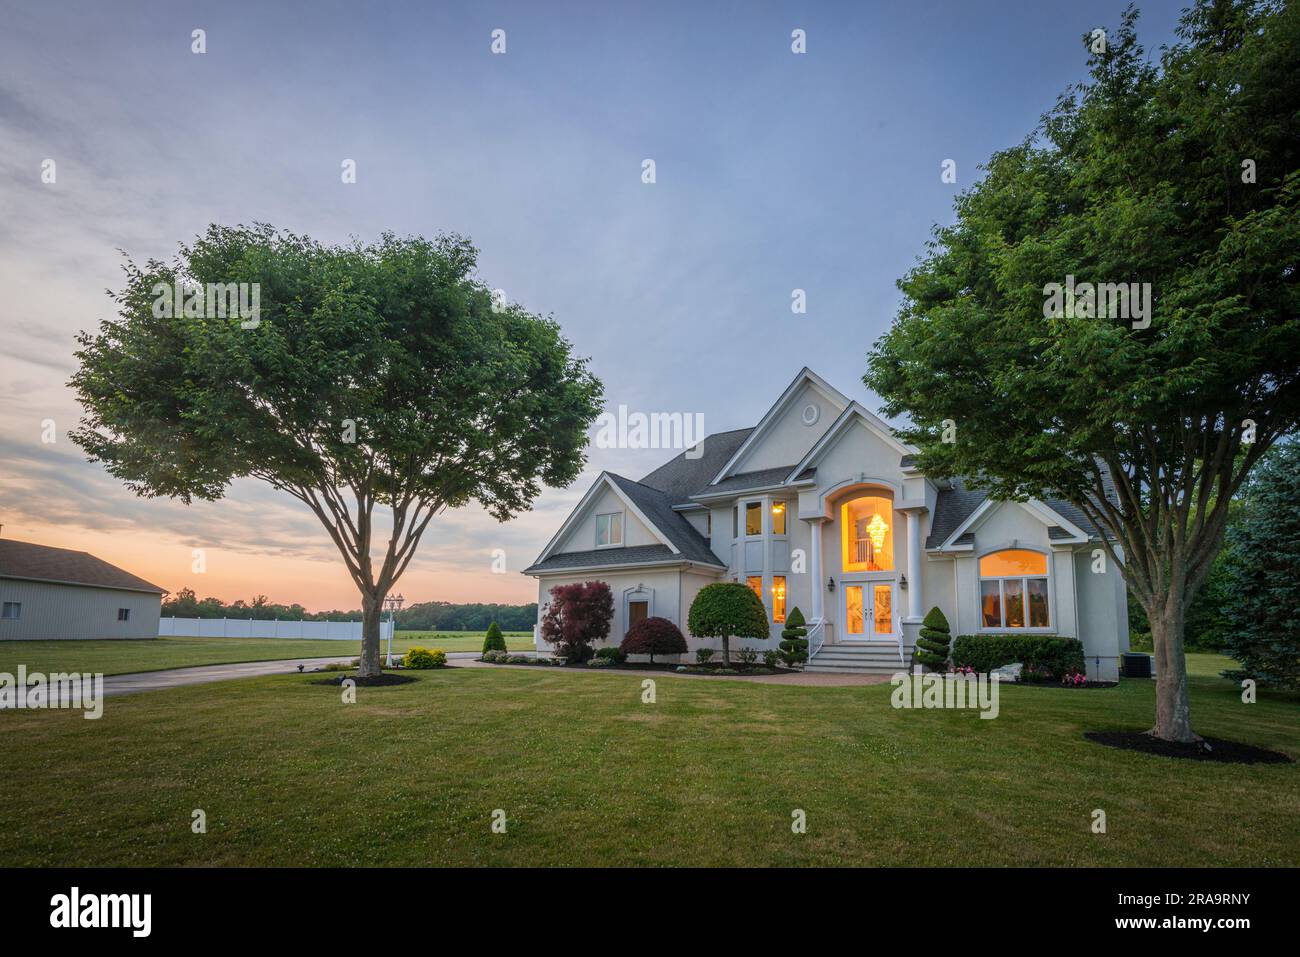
902 582
830 583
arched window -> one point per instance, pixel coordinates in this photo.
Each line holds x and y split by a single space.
867 534
1013 589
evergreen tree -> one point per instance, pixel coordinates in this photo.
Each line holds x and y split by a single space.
494 640
1263 588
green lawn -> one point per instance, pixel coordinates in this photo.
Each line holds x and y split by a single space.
121 657
588 774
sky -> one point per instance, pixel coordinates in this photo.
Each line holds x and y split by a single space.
774 171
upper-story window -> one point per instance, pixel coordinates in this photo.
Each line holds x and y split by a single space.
1013 589
778 518
609 529
866 528
753 518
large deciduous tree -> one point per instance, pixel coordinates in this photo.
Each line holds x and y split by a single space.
1181 174
375 377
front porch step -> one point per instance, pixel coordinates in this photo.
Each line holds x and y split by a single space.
874 658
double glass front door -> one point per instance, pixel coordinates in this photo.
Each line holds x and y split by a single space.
868 611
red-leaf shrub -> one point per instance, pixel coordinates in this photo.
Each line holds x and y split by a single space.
577 615
654 636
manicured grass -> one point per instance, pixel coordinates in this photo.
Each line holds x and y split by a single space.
122 657
588 774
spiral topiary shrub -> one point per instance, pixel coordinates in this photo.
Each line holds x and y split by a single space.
794 640
936 637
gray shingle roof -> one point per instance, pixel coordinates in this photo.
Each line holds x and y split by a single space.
657 507
637 554
743 480
680 477
956 504
33 562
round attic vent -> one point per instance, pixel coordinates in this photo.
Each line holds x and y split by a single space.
811 413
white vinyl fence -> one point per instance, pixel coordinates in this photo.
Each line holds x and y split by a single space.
265 628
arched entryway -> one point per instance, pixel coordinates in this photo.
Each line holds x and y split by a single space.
867 605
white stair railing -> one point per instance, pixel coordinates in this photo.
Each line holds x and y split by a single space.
816 637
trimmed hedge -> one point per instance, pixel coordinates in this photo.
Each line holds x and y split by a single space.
1050 653
420 659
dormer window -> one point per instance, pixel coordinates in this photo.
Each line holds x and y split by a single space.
609 529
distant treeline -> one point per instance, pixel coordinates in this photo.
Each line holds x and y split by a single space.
444 616
425 616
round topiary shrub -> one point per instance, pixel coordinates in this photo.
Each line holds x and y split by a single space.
654 636
932 645
727 609
494 640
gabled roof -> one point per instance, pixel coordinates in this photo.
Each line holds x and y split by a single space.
681 534
44 563
681 542
805 375
682 477
853 411
956 505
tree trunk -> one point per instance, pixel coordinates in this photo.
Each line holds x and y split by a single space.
726 651
371 610
1173 710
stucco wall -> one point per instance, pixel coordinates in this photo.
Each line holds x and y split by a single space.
582 537
788 439
51 611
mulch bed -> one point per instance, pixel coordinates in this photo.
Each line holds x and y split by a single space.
373 681
1057 684
1226 752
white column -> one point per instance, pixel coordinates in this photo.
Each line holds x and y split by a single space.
815 570
915 600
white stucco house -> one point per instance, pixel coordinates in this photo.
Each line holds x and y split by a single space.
820 506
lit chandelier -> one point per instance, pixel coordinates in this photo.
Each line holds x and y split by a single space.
876 529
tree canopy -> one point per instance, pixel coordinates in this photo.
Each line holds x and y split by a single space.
1184 175
374 375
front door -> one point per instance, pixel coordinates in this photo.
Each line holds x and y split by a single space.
869 611
636 611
